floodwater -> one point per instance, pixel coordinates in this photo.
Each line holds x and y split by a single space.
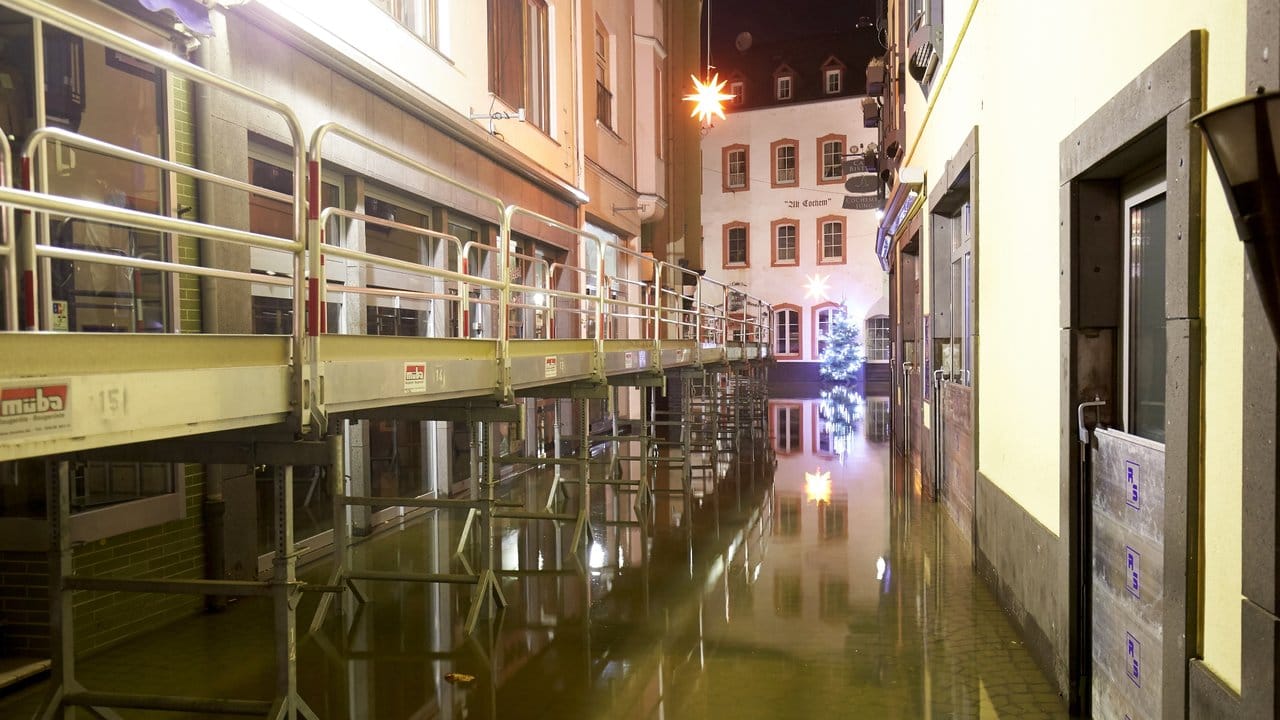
813 588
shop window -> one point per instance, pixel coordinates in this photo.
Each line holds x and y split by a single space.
108 95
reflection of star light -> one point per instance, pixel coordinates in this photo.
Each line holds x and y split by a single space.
816 287
708 98
817 486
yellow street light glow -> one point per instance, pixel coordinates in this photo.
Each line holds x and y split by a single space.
816 287
708 98
817 486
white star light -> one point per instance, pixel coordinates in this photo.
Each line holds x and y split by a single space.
816 287
708 98
817 486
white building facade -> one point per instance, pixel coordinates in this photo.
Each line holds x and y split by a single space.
784 214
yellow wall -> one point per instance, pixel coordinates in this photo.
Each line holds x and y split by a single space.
1027 74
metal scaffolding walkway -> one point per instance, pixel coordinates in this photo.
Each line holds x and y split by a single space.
283 400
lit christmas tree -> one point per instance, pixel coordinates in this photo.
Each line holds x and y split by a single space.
841 355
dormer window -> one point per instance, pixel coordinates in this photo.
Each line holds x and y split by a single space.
832 76
784 80
735 89
832 80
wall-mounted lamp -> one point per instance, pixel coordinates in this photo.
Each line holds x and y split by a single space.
1242 138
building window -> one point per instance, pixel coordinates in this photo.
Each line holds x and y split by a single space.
831 159
519 57
736 90
604 96
1145 342
784 162
786 249
786 331
421 17
823 316
832 81
736 167
735 245
831 239
660 109
782 88
784 83
877 419
878 339
787 428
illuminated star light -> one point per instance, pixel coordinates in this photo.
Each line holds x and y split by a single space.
708 98
816 287
817 486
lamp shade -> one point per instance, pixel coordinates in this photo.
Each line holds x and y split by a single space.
1242 137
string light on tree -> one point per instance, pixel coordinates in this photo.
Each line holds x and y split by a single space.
841 357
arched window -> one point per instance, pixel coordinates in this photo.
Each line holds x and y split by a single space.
786 331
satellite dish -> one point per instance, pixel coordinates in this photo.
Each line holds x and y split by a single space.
743 41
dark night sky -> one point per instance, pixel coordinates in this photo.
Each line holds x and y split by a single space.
774 20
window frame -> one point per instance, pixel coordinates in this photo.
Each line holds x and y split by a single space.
826 308
821 224
822 143
872 330
727 230
603 52
784 72
423 23
798 343
775 148
725 162
1135 195
791 410
774 227
827 75
738 89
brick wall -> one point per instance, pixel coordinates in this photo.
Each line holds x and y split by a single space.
188 318
24 609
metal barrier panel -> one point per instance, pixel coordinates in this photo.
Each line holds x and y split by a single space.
1128 576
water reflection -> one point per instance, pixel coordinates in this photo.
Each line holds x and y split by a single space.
771 595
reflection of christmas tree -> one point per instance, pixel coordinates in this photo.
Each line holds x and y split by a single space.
841 355
842 409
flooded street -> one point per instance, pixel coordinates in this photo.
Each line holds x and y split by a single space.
813 589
